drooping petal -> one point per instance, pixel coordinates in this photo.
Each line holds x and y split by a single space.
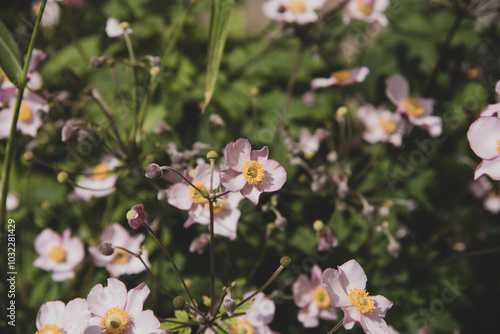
488 167
397 88
484 137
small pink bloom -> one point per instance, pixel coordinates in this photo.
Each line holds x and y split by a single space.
484 139
341 78
136 216
58 253
256 318
99 181
120 262
56 317
199 244
114 310
313 300
366 10
289 11
381 125
417 110
114 30
326 239
346 289
250 172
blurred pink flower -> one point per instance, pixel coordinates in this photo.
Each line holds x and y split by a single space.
199 244
313 300
381 125
56 317
326 239
257 318
225 217
346 289
114 30
484 140
417 110
29 120
366 10
120 262
114 310
99 181
482 189
493 109
51 14
58 253
341 78
289 11
250 172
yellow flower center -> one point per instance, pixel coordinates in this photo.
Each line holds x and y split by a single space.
57 254
388 125
253 172
361 300
120 256
364 7
131 214
341 75
196 195
114 321
100 172
242 327
25 113
498 147
321 297
296 6
413 107
49 329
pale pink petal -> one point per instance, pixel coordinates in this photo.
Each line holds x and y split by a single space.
302 291
316 273
358 74
497 87
103 298
113 29
397 88
484 136
260 155
251 192
131 267
76 316
136 298
308 316
226 223
382 305
236 154
145 323
352 276
491 110
322 82
331 282
490 168
351 316
202 174
51 313
328 313
427 104
433 124
492 204
232 180
5 122
274 176
47 240
179 196
261 313
373 324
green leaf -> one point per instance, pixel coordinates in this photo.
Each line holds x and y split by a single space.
10 56
219 27
206 301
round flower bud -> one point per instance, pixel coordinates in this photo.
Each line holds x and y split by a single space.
154 172
229 305
62 177
179 302
124 25
95 62
254 91
28 156
212 155
342 111
318 225
106 248
285 261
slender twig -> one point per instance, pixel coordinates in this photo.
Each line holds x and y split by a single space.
9 151
182 176
167 253
337 326
137 255
269 281
212 241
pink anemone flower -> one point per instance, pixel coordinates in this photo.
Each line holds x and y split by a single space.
366 10
346 289
417 110
484 140
58 253
250 172
56 317
313 300
99 181
116 310
120 262
342 78
381 125
290 11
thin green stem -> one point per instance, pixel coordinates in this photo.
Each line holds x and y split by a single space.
182 176
269 281
171 259
9 152
137 255
337 326
212 241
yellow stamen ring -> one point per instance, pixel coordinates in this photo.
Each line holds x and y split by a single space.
49 329
361 300
253 172
25 113
296 6
57 254
413 107
242 327
388 125
120 256
341 75
100 172
364 7
114 321
321 298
